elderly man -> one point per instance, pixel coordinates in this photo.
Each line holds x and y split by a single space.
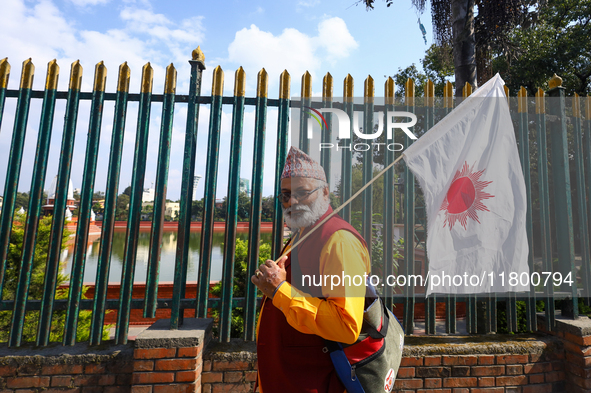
295 320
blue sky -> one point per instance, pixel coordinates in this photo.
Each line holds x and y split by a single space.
333 36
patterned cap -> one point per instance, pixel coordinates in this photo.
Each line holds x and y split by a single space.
299 164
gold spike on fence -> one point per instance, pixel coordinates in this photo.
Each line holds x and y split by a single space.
348 88
4 73
522 100
284 85
540 104
327 87
467 90
76 75
147 78
262 83
306 85
170 80
239 82
53 71
368 89
506 92
124 76
100 76
588 111
27 74
217 84
198 55
409 92
389 91
577 106
448 94
555 82
430 93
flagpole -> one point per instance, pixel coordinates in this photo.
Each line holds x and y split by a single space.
343 205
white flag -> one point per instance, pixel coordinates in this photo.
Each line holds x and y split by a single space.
469 170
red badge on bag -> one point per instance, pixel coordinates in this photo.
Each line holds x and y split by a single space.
389 381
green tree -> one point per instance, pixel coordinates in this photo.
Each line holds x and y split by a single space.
122 210
13 268
21 200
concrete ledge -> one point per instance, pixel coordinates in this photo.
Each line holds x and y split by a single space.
192 333
236 350
579 327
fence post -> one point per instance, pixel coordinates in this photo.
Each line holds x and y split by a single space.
306 101
367 174
347 154
562 194
326 135
389 200
409 220
4 75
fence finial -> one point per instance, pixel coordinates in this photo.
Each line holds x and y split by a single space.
409 91
430 92
522 100
217 88
577 106
448 93
467 90
506 93
348 87
284 84
53 71
27 74
170 80
262 83
555 82
368 89
124 75
4 73
239 81
306 85
327 83
147 78
588 111
198 55
100 76
76 75
389 90
540 104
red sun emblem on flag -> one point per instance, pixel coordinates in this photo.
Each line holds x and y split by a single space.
464 197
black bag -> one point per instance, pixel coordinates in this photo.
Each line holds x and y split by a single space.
371 363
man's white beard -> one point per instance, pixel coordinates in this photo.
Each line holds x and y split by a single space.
307 215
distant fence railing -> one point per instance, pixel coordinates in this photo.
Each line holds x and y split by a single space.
568 146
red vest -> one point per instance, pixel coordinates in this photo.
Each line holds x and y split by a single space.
290 361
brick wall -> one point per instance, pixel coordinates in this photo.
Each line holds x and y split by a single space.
66 369
229 367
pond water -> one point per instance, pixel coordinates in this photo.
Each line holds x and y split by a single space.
167 257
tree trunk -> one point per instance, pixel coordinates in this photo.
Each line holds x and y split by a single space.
464 44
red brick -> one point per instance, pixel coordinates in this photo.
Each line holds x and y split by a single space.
432 382
186 376
223 365
557 366
406 372
175 388
486 381
513 389
461 390
212 377
109 389
124 379
536 378
432 360
537 368
487 390
232 387
427 391
484 371
62 369
143 365
408 384
207 365
28 369
189 352
547 388
144 378
410 362
141 389
512 381
154 353
536 357
206 388
460 360
515 369
250 376
27 382
107 379
233 376
86 380
175 364
555 376
7 371
61 380
512 359
92 389
459 382
485 360
95 369
59 390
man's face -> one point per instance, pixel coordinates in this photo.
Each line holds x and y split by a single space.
309 207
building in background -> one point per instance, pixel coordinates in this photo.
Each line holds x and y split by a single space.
148 195
70 204
195 184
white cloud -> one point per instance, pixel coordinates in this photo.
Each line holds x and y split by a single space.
335 38
308 3
84 3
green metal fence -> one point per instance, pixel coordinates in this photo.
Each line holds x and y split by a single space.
563 131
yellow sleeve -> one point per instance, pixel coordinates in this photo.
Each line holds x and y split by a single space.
340 316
